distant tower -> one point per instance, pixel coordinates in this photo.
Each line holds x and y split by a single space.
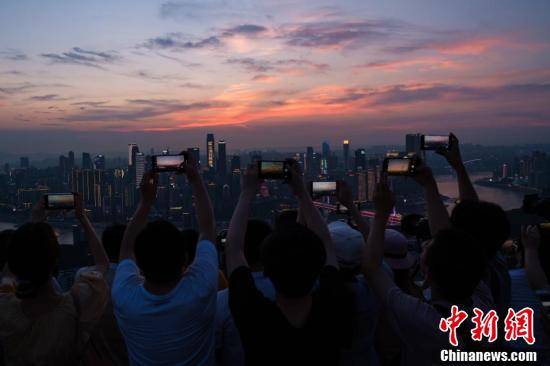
70 163
132 151
210 151
87 161
360 159
222 158
24 162
235 163
345 146
99 162
140 167
309 160
195 152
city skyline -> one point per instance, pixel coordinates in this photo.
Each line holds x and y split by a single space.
271 74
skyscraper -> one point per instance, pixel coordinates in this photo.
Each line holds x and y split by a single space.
235 164
140 167
222 158
309 160
70 165
413 143
87 161
345 146
210 151
24 162
132 151
360 159
361 186
99 162
195 152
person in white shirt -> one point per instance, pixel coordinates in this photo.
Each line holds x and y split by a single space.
167 317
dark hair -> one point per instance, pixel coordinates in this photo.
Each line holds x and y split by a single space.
285 218
456 263
409 224
5 237
256 232
159 251
112 239
485 221
190 238
293 258
33 254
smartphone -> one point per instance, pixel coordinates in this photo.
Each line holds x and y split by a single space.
168 163
400 166
394 154
320 189
60 201
435 142
270 169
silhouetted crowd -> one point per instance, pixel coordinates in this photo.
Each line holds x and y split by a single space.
299 292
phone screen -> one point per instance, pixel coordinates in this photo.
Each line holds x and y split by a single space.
435 142
60 201
168 163
398 166
323 188
272 169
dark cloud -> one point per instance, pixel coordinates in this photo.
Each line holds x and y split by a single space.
190 85
13 55
262 66
339 33
140 109
46 97
177 41
11 89
79 56
12 72
245 29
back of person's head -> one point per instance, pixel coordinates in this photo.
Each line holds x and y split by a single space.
190 239
485 221
293 258
396 252
33 254
5 237
285 218
159 251
112 239
455 263
256 232
409 224
348 245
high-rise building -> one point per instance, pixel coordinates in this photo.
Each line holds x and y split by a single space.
63 162
70 165
132 151
309 160
140 167
210 151
24 162
235 164
360 159
87 161
345 147
371 184
361 186
413 144
195 152
99 162
222 158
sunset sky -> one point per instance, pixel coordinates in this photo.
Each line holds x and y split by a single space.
96 75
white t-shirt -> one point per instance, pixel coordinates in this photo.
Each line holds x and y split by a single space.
176 328
417 324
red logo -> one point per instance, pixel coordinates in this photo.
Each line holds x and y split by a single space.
519 325
452 323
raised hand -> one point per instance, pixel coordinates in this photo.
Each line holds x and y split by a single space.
384 199
78 206
148 188
190 167
250 180
453 153
424 175
344 194
296 182
39 213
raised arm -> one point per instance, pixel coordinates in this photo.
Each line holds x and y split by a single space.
234 251
310 214
438 217
373 251
466 190
148 193
345 197
101 260
203 206
530 237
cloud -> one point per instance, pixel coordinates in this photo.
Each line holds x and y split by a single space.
178 41
190 85
147 75
12 72
453 43
11 89
46 97
79 56
338 34
289 66
425 63
13 55
245 29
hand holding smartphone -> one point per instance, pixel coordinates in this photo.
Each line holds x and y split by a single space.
169 163
60 201
271 169
435 142
405 166
321 189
